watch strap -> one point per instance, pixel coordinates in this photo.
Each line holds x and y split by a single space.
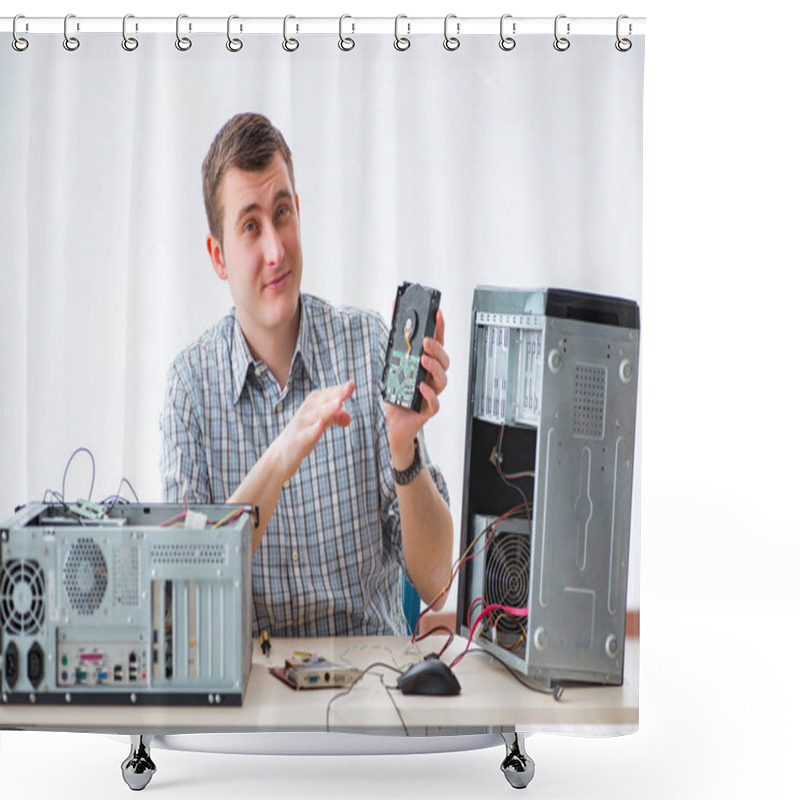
405 476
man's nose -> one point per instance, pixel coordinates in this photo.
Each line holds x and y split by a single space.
271 246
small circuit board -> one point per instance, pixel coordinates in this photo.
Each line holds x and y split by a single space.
414 318
309 671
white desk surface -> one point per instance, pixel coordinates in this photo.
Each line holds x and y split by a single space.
491 700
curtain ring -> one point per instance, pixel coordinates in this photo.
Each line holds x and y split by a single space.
451 42
345 42
290 45
181 42
507 42
561 43
128 42
401 42
70 42
18 43
234 45
623 45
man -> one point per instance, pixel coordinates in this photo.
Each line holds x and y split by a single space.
279 406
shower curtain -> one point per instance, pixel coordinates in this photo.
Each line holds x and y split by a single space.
517 166
479 165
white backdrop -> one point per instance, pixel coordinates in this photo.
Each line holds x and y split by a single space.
453 169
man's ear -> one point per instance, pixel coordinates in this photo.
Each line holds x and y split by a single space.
217 257
297 201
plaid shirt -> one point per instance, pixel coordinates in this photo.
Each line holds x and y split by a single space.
331 559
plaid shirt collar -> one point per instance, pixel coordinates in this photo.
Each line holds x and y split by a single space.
242 361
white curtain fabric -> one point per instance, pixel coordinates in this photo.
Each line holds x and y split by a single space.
455 169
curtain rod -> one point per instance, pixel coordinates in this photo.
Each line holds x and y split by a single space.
349 25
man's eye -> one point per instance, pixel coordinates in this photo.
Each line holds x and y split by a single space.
249 227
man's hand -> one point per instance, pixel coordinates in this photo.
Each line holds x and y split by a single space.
320 410
404 424
262 486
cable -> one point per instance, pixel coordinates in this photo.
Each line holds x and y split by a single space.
444 628
557 690
65 509
471 606
174 519
57 498
130 486
389 690
517 612
66 470
117 497
353 686
228 518
517 622
466 557
515 475
497 458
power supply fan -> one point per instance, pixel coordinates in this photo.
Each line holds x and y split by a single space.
508 562
22 598
85 576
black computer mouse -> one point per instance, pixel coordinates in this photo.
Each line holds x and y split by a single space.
429 676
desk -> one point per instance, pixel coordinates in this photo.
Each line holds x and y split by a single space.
491 700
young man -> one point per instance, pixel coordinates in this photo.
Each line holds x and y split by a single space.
279 406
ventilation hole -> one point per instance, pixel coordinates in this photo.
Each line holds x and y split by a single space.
85 576
589 402
22 598
126 575
187 554
507 574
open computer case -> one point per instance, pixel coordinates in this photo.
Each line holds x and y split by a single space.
548 481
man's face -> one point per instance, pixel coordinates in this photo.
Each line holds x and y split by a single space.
261 257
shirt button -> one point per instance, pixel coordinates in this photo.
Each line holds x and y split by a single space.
279 406
286 485
295 556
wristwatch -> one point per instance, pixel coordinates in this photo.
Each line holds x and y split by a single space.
405 476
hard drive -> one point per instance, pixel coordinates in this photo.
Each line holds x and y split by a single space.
414 318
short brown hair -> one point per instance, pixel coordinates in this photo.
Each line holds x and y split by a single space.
248 142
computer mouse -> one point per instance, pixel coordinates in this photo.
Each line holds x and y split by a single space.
429 676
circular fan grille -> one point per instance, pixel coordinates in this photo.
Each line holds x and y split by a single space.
507 570
85 576
22 597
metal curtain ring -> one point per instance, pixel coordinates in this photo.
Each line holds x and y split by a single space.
401 42
18 43
234 45
290 45
623 45
128 42
345 42
451 42
507 42
561 43
70 42
181 42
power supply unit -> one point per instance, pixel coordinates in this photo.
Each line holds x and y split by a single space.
548 481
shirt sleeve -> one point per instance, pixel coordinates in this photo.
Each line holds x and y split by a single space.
183 456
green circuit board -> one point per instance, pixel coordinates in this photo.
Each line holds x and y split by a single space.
401 378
